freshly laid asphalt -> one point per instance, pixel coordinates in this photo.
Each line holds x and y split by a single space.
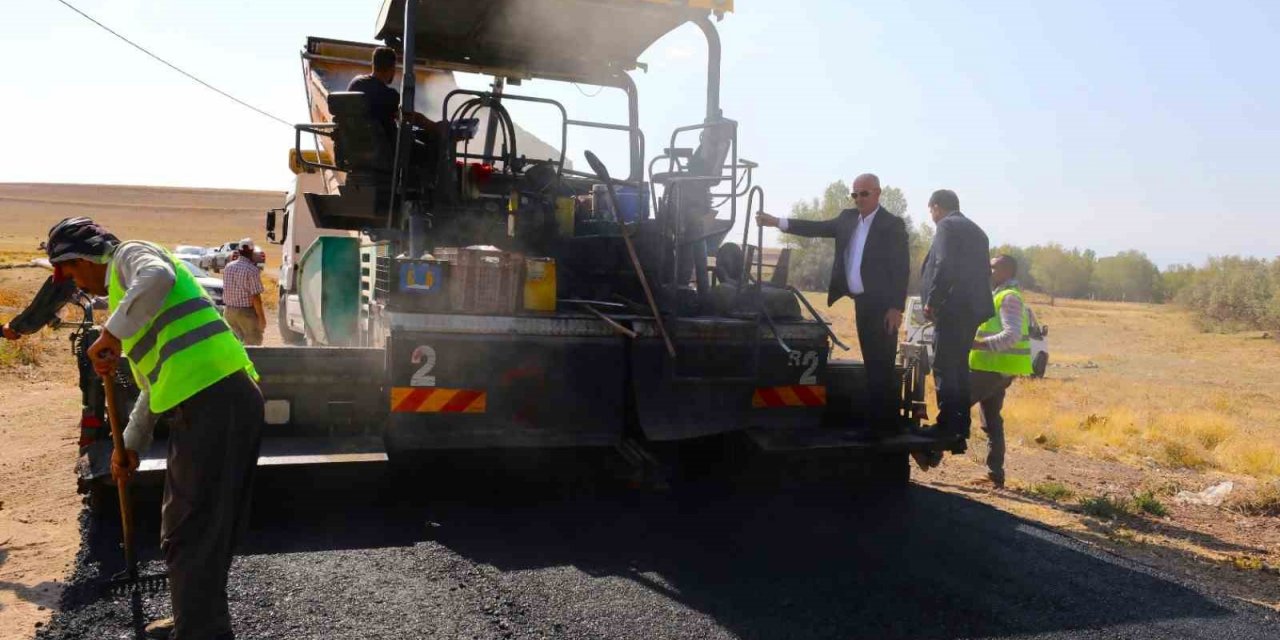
359 553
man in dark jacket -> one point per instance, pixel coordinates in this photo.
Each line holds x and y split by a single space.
43 309
872 266
954 291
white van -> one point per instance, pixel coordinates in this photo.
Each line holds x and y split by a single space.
920 331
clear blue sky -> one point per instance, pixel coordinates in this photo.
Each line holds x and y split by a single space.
1102 124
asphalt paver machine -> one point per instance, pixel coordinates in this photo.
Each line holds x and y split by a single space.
464 286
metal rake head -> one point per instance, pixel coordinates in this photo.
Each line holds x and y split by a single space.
127 583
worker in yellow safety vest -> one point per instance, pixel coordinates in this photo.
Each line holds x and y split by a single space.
192 369
1001 352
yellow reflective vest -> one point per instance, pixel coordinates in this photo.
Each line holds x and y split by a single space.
1010 362
186 347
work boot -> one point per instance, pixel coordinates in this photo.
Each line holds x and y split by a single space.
160 629
927 459
996 479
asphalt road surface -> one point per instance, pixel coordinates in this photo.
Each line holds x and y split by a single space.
357 553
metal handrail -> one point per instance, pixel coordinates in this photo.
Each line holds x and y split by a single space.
315 128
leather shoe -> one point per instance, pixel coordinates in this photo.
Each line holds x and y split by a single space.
159 629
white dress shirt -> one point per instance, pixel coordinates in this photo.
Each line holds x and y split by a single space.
148 277
1010 313
854 252
857 247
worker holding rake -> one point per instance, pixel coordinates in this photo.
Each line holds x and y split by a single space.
190 367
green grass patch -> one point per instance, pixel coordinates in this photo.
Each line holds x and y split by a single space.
1105 507
1146 502
1054 491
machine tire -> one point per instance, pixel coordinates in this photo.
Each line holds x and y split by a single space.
287 335
1040 365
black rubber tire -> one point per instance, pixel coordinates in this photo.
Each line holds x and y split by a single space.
1040 365
287 335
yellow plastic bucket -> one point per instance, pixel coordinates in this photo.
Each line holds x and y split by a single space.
564 216
540 284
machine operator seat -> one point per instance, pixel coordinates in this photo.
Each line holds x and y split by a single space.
363 150
703 231
713 148
362 145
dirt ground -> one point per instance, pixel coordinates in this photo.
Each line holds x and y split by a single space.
1135 401
39 411
1215 547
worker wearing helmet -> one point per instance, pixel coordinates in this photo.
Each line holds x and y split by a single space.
1001 351
190 367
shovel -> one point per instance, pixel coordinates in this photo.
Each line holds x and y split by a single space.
128 581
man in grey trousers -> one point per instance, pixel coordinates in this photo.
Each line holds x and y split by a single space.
1000 352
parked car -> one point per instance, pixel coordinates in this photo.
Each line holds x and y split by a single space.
920 331
224 254
190 253
211 284
207 259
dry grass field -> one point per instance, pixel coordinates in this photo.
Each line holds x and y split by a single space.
1140 384
164 215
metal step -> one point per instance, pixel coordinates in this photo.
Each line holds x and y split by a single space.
291 451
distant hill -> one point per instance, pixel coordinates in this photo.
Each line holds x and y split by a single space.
168 215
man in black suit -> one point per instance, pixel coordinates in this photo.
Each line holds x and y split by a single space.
872 266
955 293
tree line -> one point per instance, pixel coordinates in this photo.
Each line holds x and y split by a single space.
1227 293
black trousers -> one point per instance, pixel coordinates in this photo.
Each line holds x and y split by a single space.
879 351
952 340
213 450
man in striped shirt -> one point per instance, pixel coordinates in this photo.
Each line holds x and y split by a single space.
1000 352
242 295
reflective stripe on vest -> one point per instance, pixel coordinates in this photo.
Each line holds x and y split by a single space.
1015 361
186 347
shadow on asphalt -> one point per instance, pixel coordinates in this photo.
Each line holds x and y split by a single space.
787 559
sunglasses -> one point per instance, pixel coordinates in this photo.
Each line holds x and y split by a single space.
861 194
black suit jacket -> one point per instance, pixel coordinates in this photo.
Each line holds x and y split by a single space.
886 261
955 279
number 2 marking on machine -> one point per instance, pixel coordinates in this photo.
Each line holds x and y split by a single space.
425 355
809 360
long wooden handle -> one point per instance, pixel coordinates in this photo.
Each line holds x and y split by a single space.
602 172
644 282
122 488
